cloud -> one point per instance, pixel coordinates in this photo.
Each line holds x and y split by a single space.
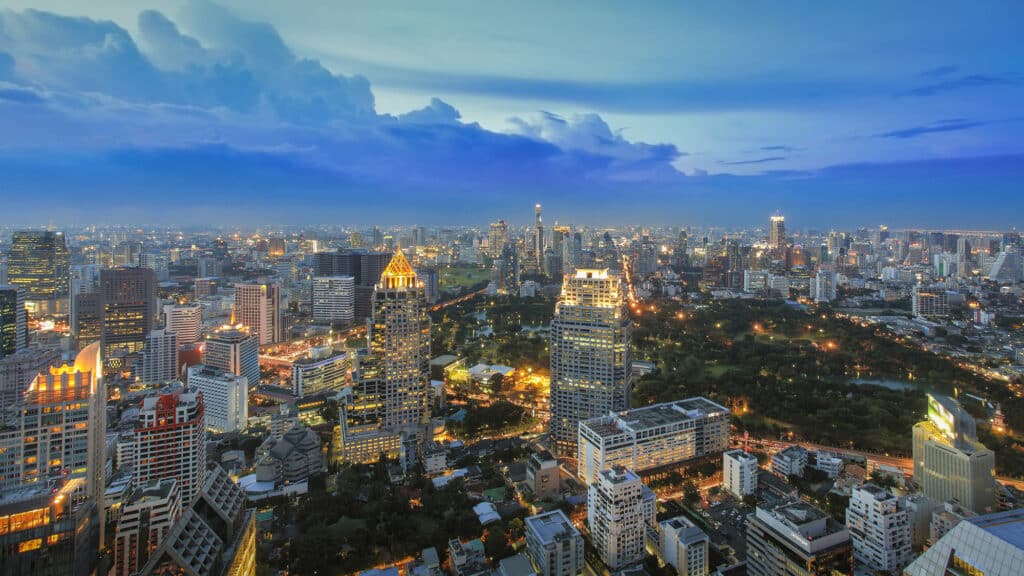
939 71
20 95
437 112
963 82
757 161
778 148
949 125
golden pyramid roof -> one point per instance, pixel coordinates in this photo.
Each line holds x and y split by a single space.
399 273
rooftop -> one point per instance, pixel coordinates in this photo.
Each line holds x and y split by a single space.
551 526
1007 526
675 412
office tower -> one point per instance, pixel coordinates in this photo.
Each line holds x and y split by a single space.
991 545
204 287
552 263
258 307
170 441
126 254
797 539
216 534
185 320
542 475
18 370
777 232
554 545
879 525
146 519
334 299
497 237
85 320
538 238
324 369
657 436
38 262
431 280
388 411
127 307
234 349
85 282
930 302
949 462
48 530
13 320
158 262
507 270
590 354
619 510
365 267
159 359
225 397
684 546
739 473
823 288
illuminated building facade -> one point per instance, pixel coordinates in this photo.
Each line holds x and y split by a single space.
234 349
590 354
777 232
258 307
38 262
365 267
389 407
18 370
497 237
127 310
653 437
225 397
323 370
334 299
949 462
185 320
13 320
170 441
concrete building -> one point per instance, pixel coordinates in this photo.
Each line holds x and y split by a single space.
323 370
658 436
944 518
170 441
684 546
127 312
159 359
234 349
992 545
823 286
291 459
13 320
258 307
620 509
739 473
795 538
880 529
185 320
334 299
949 462
542 475
146 519
790 461
930 302
554 545
225 396
590 354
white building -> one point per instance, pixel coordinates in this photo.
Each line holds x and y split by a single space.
334 299
234 349
739 473
823 288
324 369
159 360
684 546
554 545
620 510
185 320
652 437
880 528
828 464
755 280
226 396
790 461
930 302
992 545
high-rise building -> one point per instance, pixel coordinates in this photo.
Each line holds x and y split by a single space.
590 354
18 370
823 287
185 320
234 349
684 546
497 237
127 307
38 262
797 539
85 320
365 267
334 299
949 461
992 545
620 508
739 473
930 302
431 279
777 232
388 411
323 370
158 262
159 359
258 307
146 519
554 545
13 320
538 238
206 286
225 397
170 441
653 437
507 270
879 525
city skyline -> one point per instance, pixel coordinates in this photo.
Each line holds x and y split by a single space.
167 111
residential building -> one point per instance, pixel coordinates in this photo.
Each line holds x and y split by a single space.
944 518
620 508
797 539
146 519
170 441
234 349
880 529
334 299
159 359
653 437
258 308
823 288
324 369
739 473
554 545
789 461
590 354
185 320
542 475
992 545
206 286
684 546
225 397
930 302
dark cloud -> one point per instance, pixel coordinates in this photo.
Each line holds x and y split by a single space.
778 148
757 161
961 83
949 125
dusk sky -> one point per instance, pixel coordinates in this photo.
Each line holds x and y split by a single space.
717 113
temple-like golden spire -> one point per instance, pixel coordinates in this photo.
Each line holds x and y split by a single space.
399 273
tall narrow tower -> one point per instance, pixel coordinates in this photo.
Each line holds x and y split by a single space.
538 238
777 231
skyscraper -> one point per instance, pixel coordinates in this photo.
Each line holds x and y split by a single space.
170 441
258 307
38 262
497 237
234 349
145 521
388 411
949 461
225 397
159 361
334 299
777 232
590 354
13 320
185 320
365 267
507 270
538 238
17 371
127 309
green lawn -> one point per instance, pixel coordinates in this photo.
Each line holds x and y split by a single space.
463 276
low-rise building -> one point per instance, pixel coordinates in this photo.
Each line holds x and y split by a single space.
739 473
554 545
790 461
797 539
542 475
684 546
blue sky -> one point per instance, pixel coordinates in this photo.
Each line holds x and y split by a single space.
461 112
